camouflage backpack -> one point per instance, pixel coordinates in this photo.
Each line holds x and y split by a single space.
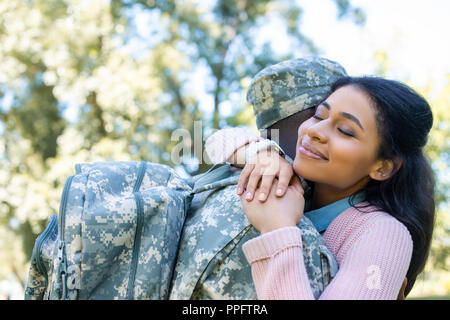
116 235
118 232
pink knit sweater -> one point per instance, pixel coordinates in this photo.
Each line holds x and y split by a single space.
373 251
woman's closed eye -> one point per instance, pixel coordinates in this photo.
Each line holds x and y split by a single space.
344 132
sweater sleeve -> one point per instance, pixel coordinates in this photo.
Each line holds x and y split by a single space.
373 268
278 269
223 143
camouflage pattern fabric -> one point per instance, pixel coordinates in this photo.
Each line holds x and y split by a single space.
118 231
41 267
211 263
285 88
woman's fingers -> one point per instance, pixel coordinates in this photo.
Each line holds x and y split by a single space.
243 178
266 170
265 187
284 178
252 184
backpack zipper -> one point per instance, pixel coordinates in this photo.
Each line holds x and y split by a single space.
39 242
137 243
62 206
139 227
140 176
62 246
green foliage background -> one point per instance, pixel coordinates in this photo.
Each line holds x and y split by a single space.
131 87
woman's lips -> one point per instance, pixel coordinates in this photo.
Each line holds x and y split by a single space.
310 152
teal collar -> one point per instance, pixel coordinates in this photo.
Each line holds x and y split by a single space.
322 217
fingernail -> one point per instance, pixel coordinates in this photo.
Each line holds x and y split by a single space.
239 190
262 196
279 192
248 196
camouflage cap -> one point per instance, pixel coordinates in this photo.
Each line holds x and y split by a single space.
285 88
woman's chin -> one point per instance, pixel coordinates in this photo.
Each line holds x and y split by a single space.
303 171
310 170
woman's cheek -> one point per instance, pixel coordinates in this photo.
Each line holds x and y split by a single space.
347 167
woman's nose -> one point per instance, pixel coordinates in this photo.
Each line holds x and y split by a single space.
317 132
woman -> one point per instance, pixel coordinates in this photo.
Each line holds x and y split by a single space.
365 142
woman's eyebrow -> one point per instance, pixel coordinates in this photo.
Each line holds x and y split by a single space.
353 118
324 103
344 114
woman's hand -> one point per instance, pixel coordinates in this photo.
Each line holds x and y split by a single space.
276 212
266 167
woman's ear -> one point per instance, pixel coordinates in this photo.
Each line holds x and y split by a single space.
386 168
